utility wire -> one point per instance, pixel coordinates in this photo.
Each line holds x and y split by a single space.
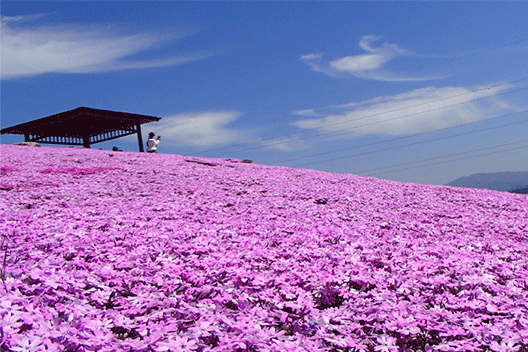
325 126
448 161
361 118
478 52
395 118
340 90
404 137
445 156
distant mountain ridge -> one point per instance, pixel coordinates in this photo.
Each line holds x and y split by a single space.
523 190
498 181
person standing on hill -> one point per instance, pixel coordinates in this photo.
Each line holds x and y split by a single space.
152 144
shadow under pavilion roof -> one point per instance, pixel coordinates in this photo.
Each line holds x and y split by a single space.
82 126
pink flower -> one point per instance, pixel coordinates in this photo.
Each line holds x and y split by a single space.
12 321
204 328
504 346
289 346
185 256
27 345
386 344
177 344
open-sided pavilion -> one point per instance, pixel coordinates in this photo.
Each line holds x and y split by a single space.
82 126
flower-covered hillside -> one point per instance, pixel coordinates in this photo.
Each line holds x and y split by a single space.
116 251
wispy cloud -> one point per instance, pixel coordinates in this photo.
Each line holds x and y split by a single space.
30 49
306 112
368 66
284 144
199 129
416 111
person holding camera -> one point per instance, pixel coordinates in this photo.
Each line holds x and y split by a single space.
152 144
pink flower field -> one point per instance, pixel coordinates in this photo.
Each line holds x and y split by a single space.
118 251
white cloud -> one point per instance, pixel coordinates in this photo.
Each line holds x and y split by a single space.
367 66
311 56
306 112
29 50
208 129
314 61
199 129
284 144
359 63
416 111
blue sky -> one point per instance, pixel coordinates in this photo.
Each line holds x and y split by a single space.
421 92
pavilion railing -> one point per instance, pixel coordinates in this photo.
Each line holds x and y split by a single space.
87 140
106 136
54 139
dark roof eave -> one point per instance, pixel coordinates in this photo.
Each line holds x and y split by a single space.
53 121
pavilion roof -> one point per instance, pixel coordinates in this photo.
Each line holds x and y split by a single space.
79 121
80 126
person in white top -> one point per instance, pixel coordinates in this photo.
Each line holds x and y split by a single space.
152 144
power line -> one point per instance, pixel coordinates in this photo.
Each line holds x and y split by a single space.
340 90
365 117
444 156
395 118
404 137
478 52
448 161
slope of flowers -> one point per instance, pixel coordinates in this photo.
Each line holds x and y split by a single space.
117 251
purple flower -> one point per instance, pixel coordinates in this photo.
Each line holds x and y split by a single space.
183 256
386 344
177 344
28 345
504 346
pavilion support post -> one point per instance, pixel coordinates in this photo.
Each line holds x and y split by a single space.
140 139
86 141
26 137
